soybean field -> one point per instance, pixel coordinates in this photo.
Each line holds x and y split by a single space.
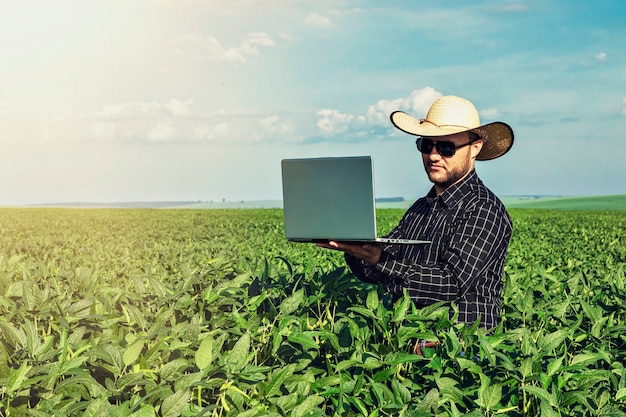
146 312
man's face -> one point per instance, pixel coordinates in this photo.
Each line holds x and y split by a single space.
445 171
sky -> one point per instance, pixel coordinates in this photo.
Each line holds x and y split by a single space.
200 100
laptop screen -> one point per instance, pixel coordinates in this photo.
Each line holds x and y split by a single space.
329 198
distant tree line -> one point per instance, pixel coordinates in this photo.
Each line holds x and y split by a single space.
389 199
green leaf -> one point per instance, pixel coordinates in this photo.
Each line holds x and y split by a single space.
398 358
286 402
291 303
526 367
452 343
130 379
75 384
16 337
581 360
430 401
132 352
33 343
364 312
17 378
272 388
448 389
5 369
303 339
540 393
372 300
593 313
381 392
358 404
45 350
400 308
490 396
174 405
596 329
134 316
238 356
547 409
204 354
472 366
402 393
372 362
306 406
555 365
554 340
98 407
331 337
345 364
145 410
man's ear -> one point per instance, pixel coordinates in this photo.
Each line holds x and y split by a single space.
475 148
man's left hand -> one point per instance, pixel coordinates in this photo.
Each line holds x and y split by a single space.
368 252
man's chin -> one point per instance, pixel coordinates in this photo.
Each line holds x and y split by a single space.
437 179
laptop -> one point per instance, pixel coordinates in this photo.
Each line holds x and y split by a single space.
331 198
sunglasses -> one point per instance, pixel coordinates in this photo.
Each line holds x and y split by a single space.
444 147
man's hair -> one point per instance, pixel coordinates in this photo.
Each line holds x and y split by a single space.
473 136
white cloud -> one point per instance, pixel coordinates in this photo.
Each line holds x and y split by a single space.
489 114
416 103
331 121
163 131
273 125
599 58
197 47
378 114
178 107
175 122
141 109
421 100
211 133
104 130
258 38
56 113
212 49
128 110
139 121
316 19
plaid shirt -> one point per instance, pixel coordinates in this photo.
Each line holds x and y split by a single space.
470 231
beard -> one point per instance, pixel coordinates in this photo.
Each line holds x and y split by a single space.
451 175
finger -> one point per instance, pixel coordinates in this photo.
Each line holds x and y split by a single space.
328 245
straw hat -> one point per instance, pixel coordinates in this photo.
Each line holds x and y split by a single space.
451 114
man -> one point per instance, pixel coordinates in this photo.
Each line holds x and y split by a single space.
467 224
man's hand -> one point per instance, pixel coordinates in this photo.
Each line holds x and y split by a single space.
368 252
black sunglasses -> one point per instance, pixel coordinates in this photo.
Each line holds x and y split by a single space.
444 147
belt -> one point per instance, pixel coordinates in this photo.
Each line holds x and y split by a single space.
421 344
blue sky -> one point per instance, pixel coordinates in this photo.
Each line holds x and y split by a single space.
151 100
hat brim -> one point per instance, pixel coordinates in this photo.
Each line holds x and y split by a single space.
497 136
497 140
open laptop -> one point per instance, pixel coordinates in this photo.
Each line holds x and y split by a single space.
332 198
